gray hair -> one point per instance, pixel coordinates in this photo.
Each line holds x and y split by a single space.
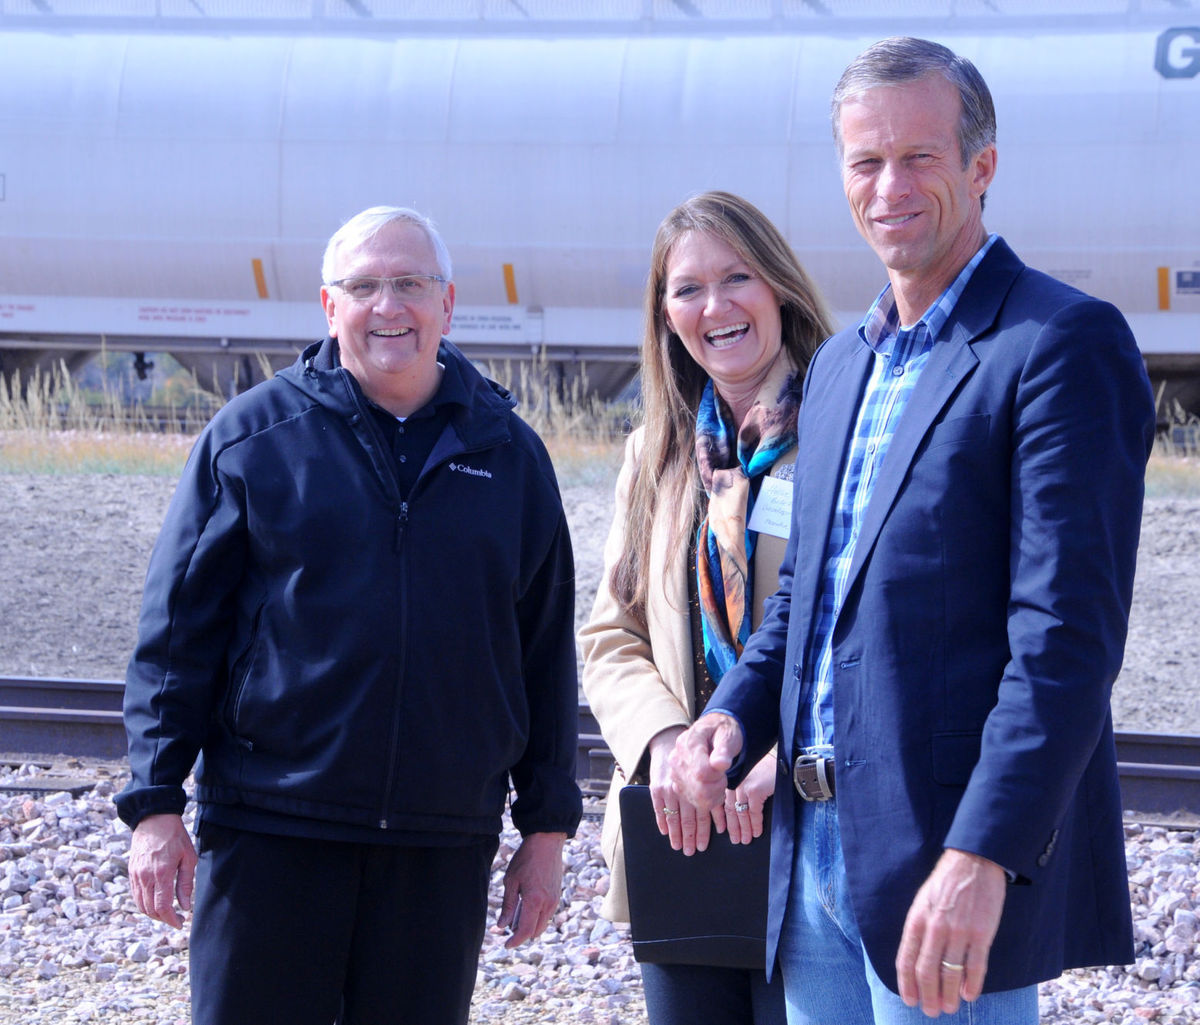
366 225
903 59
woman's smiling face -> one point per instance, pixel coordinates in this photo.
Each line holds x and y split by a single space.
724 313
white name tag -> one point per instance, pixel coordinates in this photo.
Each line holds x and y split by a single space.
772 513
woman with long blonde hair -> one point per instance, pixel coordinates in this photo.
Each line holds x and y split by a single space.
731 321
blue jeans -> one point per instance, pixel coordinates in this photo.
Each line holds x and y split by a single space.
827 976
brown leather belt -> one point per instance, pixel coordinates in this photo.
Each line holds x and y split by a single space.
812 776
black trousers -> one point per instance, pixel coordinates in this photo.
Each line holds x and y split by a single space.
682 994
308 932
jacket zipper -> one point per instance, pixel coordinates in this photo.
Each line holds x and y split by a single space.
359 423
401 529
362 421
394 746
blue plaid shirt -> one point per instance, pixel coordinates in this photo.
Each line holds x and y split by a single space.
900 355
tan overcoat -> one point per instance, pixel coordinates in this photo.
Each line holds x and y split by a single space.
639 680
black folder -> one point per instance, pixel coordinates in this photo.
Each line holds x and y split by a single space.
707 909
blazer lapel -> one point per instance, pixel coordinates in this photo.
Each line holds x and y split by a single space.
950 361
827 418
670 632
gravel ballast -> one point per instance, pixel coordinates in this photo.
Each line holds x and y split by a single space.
72 949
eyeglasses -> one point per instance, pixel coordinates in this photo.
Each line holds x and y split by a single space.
407 288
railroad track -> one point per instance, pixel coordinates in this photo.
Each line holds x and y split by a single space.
43 718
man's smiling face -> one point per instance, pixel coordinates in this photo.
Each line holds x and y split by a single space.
386 341
909 194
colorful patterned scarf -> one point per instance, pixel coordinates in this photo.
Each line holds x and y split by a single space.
724 547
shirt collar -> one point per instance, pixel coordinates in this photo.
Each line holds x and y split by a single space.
451 390
882 322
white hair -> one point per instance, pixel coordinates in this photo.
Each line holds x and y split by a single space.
366 225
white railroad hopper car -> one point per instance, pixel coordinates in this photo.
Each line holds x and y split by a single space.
167 184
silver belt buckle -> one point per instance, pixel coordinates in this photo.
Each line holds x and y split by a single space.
811 777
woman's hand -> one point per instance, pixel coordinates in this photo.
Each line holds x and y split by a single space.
667 805
743 808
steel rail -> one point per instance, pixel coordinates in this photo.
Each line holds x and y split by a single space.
44 717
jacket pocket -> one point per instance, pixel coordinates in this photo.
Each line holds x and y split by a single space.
954 757
239 674
961 430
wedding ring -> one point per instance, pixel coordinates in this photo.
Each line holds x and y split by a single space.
670 811
950 967
741 806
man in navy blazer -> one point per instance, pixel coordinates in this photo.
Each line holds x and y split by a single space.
938 661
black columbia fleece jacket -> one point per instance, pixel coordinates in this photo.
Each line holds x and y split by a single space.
340 655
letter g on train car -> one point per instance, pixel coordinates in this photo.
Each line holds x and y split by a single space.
1177 54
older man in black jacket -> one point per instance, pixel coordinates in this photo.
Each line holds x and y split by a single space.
360 614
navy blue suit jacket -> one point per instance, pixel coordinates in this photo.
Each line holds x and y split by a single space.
984 623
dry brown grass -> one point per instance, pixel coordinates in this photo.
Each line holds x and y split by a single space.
47 425
92 451
1173 476
577 462
1174 469
50 427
